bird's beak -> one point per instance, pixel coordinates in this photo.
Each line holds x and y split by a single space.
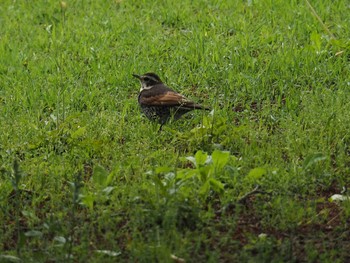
136 76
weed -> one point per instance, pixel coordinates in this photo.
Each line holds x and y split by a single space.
249 181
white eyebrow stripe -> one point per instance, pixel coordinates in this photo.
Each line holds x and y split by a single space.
145 88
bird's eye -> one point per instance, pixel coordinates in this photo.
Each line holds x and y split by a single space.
146 79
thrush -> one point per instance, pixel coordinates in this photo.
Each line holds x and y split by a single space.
160 103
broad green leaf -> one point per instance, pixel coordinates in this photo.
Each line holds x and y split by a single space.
316 39
191 159
169 176
108 190
186 174
109 178
255 174
312 159
99 176
109 252
204 188
33 233
201 158
220 158
204 172
216 185
88 200
207 122
29 214
60 239
78 133
163 169
159 183
9 258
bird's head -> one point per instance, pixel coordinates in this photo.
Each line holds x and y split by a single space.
148 80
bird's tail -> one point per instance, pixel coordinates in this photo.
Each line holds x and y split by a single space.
195 106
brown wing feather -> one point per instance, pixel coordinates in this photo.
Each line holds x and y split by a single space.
169 98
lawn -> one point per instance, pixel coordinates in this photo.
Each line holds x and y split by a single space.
85 177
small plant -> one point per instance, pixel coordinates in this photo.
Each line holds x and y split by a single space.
208 171
99 190
257 170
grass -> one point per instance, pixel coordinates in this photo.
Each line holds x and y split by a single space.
86 178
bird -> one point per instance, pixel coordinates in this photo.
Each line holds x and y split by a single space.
160 103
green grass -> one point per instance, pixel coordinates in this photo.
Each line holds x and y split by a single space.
84 176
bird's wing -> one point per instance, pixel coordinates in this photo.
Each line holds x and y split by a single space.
161 95
169 98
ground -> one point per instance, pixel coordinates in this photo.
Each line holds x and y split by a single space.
86 177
